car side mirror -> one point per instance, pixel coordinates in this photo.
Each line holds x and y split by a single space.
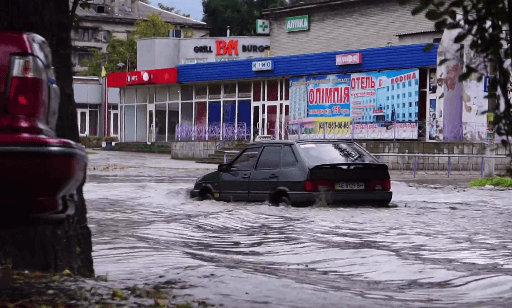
224 167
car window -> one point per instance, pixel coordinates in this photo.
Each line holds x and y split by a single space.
247 160
289 160
334 153
270 158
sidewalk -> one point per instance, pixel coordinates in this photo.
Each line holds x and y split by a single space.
119 160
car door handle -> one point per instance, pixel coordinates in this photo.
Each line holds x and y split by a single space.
273 176
245 176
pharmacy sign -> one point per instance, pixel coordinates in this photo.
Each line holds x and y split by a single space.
297 23
262 26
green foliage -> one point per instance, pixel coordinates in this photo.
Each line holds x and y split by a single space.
117 294
240 16
122 53
483 24
497 181
154 26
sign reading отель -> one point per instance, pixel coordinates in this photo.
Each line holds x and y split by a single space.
297 23
351 58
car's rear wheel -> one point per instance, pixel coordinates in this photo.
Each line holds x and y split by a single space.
283 200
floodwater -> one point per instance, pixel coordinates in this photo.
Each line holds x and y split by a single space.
438 247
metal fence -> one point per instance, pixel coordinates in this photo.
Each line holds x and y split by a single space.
214 131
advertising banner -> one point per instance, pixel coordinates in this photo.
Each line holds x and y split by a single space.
328 96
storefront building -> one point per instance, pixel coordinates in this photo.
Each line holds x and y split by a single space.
376 93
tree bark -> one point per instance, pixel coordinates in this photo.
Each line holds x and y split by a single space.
52 20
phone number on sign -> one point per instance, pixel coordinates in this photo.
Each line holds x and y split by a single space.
335 125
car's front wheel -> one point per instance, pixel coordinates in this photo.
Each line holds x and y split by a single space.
206 195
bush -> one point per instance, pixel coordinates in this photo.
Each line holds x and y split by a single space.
497 181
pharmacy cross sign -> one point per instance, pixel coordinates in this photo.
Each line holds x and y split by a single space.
262 26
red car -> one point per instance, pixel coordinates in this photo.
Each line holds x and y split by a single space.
39 173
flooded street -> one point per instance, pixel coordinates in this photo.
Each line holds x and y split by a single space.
438 247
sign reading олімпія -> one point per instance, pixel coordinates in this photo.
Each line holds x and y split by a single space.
297 23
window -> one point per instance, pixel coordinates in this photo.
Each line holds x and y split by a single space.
392 97
186 93
410 115
272 90
416 115
409 83
246 161
410 94
387 88
410 104
416 81
387 98
403 116
416 93
289 160
270 158
403 84
416 104
398 86
403 95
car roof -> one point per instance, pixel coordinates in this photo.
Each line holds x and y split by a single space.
301 141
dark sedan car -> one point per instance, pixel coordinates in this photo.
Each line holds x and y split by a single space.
299 173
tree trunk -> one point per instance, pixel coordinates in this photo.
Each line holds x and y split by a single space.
72 250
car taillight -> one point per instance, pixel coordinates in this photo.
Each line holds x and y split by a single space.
320 185
28 91
378 185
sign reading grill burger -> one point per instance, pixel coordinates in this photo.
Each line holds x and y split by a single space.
297 23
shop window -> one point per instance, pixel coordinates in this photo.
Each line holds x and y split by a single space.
230 90
285 90
129 96
214 91
244 116
173 119
161 94
213 117
201 92
272 90
160 121
244 89
93 122
200 113
187 110
256 91
187 93
142 95
174 93
129 123
229 111
142 123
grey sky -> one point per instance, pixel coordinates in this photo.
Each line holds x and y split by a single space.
192 7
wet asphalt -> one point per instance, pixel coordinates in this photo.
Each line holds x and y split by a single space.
441 244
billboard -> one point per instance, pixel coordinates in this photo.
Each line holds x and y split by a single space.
365 104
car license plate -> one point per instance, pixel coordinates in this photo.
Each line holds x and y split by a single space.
349 185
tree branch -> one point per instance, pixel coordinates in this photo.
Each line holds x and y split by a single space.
74 7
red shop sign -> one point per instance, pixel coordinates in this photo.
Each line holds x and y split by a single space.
158 76
350 58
